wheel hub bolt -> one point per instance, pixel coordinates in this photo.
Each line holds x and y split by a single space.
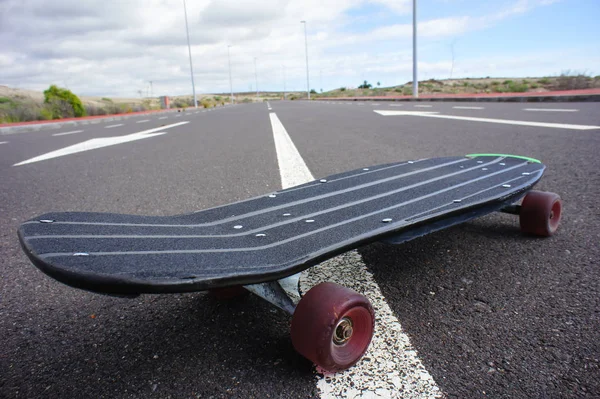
343 331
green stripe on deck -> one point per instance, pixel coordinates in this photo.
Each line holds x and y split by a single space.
504 155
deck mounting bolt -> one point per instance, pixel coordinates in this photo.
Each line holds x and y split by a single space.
237 227
46 221
387 220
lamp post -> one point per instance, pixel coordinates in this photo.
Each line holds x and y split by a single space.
306 52
190 53
256 78
415 79
230 84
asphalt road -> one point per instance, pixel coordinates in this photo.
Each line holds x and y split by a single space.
491 313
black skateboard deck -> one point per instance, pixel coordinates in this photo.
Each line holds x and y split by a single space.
276 235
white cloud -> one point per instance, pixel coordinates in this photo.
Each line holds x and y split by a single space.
116 47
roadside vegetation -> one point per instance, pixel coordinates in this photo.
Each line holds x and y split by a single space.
567 80
58 103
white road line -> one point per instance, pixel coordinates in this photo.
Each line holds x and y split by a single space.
488 120
163 117
65 133
396 105
111 126
101 142
143 121
551 109
392 368
3 142
468 107
423 106
375 104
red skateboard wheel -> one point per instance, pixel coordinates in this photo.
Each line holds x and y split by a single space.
540 213
332 326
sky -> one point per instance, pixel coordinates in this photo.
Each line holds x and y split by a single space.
115 48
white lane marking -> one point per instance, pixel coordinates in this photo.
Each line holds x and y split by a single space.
423 106
111 126
65 133
489 120
393 368
468 107
3 142
143 121
292 168
551 109
99 143
396 105
163 117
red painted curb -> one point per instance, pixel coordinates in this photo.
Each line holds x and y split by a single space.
83 118
564 93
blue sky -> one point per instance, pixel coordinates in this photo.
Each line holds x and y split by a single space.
116 47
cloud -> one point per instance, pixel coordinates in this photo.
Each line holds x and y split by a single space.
116 47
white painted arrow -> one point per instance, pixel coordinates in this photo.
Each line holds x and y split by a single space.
488 120
99 143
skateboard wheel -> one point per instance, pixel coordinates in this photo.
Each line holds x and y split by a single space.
540 213
332 326
228 293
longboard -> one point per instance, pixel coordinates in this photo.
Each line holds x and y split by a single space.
267 238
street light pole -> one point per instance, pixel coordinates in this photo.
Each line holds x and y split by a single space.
187 30
256 78
306 52
283 72
230 84
415 79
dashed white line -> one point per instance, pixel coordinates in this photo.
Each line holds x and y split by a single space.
111 126
396 105
423 106
551 109
65 133
468 107
391 367
143 121
3 142
163 117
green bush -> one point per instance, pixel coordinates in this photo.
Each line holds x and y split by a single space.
108 100
544 81
495 83
342 89
63 103
534 86
5 100
507 82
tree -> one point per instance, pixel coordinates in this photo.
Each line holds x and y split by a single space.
365 85
63 103
378 83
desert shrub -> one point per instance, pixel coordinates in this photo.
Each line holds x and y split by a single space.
507 82
495 83
544 81
342 89
108 100
573 81
63 103
5 100
534 86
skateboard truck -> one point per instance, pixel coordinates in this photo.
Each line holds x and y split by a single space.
274 293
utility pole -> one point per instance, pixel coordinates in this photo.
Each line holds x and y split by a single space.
230 84
151 89
283 72
187 30
306 52
256 78
415 79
